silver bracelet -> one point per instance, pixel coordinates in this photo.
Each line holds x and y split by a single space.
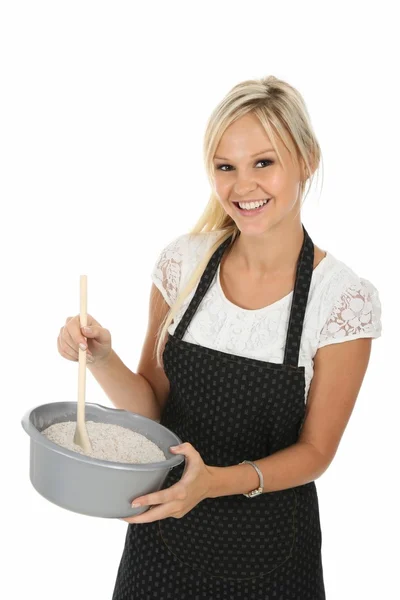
260 489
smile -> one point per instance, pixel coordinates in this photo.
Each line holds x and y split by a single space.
253 208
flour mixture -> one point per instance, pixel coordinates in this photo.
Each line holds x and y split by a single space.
109 442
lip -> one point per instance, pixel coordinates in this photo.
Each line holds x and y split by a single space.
254 212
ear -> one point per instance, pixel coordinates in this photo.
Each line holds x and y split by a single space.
305 171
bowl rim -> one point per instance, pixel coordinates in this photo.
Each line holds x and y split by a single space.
38 437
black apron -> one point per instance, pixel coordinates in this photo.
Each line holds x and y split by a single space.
232 408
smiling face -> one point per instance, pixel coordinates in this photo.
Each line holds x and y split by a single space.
247 169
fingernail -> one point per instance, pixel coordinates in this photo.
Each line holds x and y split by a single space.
87 329
174 447
82 346
135 505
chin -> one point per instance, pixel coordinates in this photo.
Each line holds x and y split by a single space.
254 228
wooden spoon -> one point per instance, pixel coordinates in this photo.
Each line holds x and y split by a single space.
81 437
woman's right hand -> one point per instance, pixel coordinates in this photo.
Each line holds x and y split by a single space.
98 341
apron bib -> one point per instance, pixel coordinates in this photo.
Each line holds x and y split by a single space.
232 408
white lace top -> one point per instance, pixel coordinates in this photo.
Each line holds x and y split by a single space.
341 306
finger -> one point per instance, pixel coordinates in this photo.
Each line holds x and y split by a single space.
175 492
91 322
73 336
129 519
66 351
69 342
69 345
72 333
95 332
155 513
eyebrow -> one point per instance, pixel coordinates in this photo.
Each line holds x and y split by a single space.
252 156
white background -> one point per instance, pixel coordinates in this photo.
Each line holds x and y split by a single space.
103 110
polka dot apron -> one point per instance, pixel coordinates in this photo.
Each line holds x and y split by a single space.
232 408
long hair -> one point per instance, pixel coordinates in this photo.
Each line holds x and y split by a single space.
282 112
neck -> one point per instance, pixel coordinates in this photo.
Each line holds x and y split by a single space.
273 252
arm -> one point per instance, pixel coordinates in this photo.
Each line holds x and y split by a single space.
339 371
146 391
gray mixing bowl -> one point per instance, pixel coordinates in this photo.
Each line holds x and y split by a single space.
91 486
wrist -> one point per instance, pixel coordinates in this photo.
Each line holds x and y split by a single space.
229 481
100 363
212 487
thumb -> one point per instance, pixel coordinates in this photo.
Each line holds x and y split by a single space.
95 331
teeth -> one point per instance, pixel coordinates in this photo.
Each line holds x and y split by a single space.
251 205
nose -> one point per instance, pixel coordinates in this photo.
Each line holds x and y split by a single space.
244 189
244 183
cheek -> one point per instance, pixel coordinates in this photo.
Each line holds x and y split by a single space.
227 206
274 182
220 191
220 185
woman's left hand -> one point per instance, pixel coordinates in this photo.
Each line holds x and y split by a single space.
180 498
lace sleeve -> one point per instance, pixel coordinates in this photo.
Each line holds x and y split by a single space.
356 313
167 271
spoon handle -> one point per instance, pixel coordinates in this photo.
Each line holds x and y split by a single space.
81 426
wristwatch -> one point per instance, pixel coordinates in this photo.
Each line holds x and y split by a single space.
260 489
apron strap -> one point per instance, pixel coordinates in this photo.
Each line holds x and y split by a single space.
202 287
302 284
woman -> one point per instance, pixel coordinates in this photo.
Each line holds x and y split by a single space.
256 377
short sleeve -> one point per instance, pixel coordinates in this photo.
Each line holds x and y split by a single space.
167 271
356 313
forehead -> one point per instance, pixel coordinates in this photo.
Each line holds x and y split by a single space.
244 137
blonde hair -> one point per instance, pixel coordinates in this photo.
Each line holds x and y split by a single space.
281 110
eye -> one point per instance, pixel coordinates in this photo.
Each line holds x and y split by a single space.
263 160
